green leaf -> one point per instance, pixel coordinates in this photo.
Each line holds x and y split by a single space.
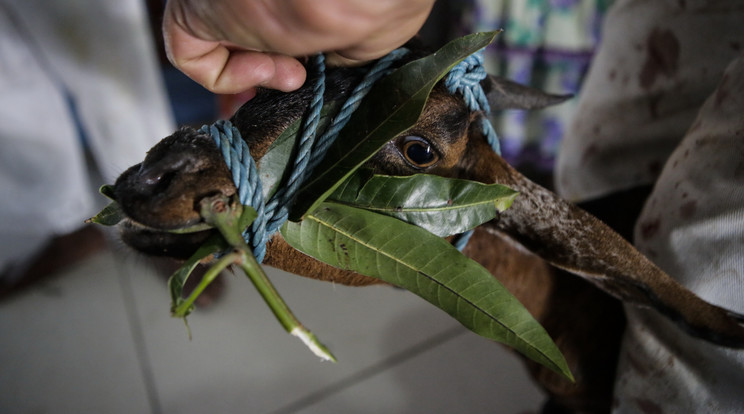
190 229
108 191
273 166
443 206
410 257
392 106
181 307
111 215
247 216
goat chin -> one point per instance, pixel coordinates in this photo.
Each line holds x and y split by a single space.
158 242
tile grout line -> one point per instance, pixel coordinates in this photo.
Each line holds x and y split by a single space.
138 337
372 370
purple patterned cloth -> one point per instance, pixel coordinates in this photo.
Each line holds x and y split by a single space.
547 45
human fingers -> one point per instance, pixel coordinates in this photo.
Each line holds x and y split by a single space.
224 68
218 43
351 32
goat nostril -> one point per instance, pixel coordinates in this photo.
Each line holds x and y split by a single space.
152 180
156 179
161 170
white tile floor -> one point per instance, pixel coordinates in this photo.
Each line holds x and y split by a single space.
98 338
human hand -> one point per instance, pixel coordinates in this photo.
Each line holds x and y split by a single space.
231 46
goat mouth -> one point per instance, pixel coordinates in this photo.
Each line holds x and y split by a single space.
132 225
176 215
176 240
178 243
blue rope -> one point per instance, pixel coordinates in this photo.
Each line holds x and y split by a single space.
464 79
462 239
273 213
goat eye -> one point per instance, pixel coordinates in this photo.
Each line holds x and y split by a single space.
419 152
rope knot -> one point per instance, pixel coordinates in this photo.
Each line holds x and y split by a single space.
465 79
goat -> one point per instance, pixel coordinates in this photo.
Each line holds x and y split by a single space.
529 247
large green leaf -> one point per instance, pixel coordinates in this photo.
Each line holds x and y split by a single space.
443 206
410 257
392 106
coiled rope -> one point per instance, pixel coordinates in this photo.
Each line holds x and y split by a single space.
464 79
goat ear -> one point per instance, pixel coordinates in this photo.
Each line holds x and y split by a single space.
505 94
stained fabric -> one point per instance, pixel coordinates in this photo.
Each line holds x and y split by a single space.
663 105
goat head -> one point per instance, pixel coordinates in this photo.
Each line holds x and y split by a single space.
163 192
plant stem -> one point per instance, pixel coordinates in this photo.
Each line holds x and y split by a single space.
280 309
209 276
225 216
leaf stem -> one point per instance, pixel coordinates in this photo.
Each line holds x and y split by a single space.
184 307
280 309
226 217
